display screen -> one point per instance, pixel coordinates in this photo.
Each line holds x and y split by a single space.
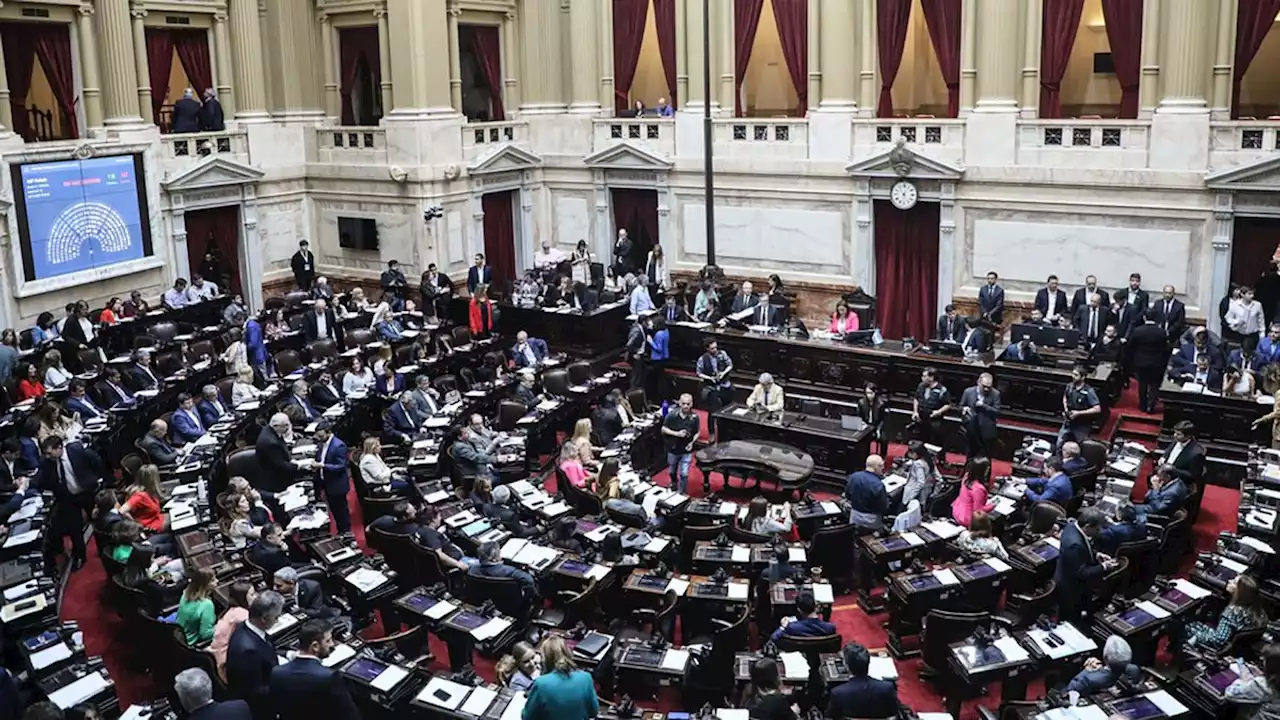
1221 680
420 602
366 669
467 620
1136 617
573 566
1136 708
78 215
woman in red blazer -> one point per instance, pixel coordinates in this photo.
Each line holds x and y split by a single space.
842 320
480 313
30 386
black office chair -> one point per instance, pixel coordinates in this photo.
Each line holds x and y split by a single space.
358 338
832 549
461 336
556 382
509 414
244 463
579 373
941 629
430 570
297 323
295 298
322 349
1043 517
1022 609
168 363
90 360
445 384
1144 558
505 593
625 519
396 549
638 400
810 645
287 361
690 535
1109 585
164 331
660 622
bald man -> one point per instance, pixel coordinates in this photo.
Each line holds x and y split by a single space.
272 452
868 500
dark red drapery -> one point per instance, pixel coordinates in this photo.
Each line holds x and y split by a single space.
192 47
906 269
637 211
943 19
892 17
664 15
53 47
219 227
159 62
500 237
1057 36
792 17
1124 32
487 46
746 18
356 45
1253 243
19 63
1253 21
629 17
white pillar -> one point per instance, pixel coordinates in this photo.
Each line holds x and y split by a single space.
946 245
1224 224
604 224
864 239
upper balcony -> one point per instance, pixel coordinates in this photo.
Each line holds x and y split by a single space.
1240 142
940 139
1090 143
180 151
655 134
481 137
356 145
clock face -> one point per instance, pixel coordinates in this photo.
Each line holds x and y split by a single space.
903 195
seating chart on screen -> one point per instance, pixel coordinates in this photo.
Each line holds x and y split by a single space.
82 227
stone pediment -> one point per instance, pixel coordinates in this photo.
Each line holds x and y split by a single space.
505 158
902 161
1263 175
213 172
625 156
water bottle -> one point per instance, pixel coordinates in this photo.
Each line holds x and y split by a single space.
666 406
876 337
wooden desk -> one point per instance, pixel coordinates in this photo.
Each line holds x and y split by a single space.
590 334
1224 425
830 451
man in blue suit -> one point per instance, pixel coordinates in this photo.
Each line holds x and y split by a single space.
398 421
1167 494
804 624
186 423
491 566
335 479
255 345
211 407
194 689
78 401
862 695
1055 487
1128 529
528 352
251 656
298 397
112 389
1099 675
142 375
1079 564
478 274
303 688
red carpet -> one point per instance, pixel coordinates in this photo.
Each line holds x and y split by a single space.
105 634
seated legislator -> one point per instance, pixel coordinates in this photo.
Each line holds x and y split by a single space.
303 594
424 400
271 551
1127 528
868 500
1108 348
78 401
325 393
1072 461
142 376
951 327
1167 494
470 458
527 390
491 566
861 695
1023 351
403 520
1099 675
767 395
389 382
1244 611
211 407
376 473
976 339
979 539
672 312
1202 373
804 624
1184 358
154 444
764 314
399 422
843 320
303 688
528 352
297 396
430 536
1054 487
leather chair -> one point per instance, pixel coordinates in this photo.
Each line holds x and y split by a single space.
295 298
224 388
164 331
584 502
374 507
625 519
244 463
297 322
203 348
466 379
690 535
1174 541
742 535
579 373
638 400
660 622
130 464
358 338
26 340
509 414
941 629
1022 609
570 607
944 494
396 549
322 349
1110 585
431 571
274 302
402 356
505 593
832 549
556 382
168 363
90 360
1043 517
287 361
445 384
810 645
461 336
1144 558
143 341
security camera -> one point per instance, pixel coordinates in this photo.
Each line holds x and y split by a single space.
434 212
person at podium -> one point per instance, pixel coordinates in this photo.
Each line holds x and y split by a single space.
767 396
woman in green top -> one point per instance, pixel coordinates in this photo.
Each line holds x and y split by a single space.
562 692
195 609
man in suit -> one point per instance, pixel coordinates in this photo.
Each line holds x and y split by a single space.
69 472
672 311
1137 297
976 339
187 426
303 688
527 390
1268 351
302 595
144 377
861 695
321 323
211 407
1185 357
78 401
979 413
112 389
1148 355
1169 313
1072 461
399 422
1082 295
764 314
335 479
186 113
14 477
274 458
303 264
1124 317
991 300
1023 351
155 444
744 300
1051 301
804 624
470 458
528 352
255 345
211 117
1052 486
1186 456
394 285
1202 373
1166 495
1126 529
298 396
251 657
478 274
491 566
434 290
622 250
271 551
951 327
1079 564
424 400
1092 318
325 393
194 689
1099 675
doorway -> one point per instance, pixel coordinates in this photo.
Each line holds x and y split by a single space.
636 211
213 246
1253 244
906 243
500 237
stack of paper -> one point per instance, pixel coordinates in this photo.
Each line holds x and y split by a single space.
794 665
944 529
366 579
493 628
675 659
882 668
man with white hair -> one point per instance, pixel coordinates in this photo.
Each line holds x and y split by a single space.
194 689
272 453
303 595
321 323
186 113
1098 675
766 395
211 117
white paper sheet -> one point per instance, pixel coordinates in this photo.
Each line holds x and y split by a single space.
366 579
1166 702
440 610
942 528
946 576
1257 545
1013 652
729 714
997 564
797 555
340 654
1230 564
555 509
829 507
22 538
657 545
822 593
598 572
1155 610
77 692
478 701
677 586
535 555
883 668
285 622
21 591
741 554
794 665
600 533
675 659
738 591
50 655
453 691
389 678
10 612
515 708
493 628
1191 589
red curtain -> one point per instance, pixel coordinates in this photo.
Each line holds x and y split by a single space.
53 47
159 62
637 211
357 44
192 47
500 237
19 63
746 18
219 227
792 17
943 19
892 17
906 269
1253 21
1057 36
664 14
629 17
488 51
1124 32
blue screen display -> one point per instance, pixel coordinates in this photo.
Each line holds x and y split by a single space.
77 215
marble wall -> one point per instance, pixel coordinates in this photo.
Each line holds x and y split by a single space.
399 231
769 235
572 220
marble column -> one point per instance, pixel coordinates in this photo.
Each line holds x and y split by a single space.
6 113
510 61
869 68
121 84
605 47
419 30
455 58
384 58
1031 60
1224 223
88 74
682 55
694 91
543 68
838 56
1186 56
142 63
1224 56
722 35
332 100
968 55
814 52
293 62
997 56
248 66
1149 88
222 61
584 20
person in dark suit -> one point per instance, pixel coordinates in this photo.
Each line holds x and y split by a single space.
13 475
297 395
321 323
1166 495
302 595
976 338
744 299
951 327
1138 298
325 393
1082 295
1123 316
1023 351
186 424
764 314
1202 373
478 274
78 401
527 391
1184 357
142 375
274 458
1147 353
394 285
1053 486
991 300
68 471
1099 675
211 406
491 566
398 422
1092 319
1079 564
1128 528
861 695
1186 456
1072 461
194 689
979 413
186 113
335 478
434 290
672 311
303 264
303 688
211 116
270 552
251 656
1169 313
528 352
804 624
112 391
1051 301
154 444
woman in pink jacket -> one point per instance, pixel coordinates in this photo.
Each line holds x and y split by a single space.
843 321
973 492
